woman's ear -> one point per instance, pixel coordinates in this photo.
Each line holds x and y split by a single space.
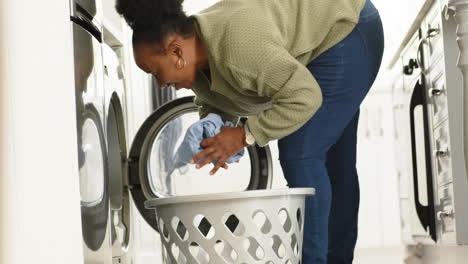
178 51
175 45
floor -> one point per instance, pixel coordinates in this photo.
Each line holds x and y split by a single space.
379 255
426 255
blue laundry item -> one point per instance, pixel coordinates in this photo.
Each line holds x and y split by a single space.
207 127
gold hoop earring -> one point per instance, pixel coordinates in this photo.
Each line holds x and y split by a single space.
180 64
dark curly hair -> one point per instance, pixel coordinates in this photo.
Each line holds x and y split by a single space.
153 20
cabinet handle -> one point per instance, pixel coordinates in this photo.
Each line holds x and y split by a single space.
425 213
448 11
432 32
408 69
418 52
435 92
441 215
442 153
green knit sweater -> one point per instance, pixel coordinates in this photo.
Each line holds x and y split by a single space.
257 52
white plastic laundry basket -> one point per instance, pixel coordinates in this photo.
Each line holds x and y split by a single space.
262 226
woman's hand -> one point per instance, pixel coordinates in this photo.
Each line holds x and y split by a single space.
225 144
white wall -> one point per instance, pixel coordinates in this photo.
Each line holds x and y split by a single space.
39 190
379 212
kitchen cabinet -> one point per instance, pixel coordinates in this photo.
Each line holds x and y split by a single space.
428 110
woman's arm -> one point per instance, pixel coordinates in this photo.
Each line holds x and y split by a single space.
295 95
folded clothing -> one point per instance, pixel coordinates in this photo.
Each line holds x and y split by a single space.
207 127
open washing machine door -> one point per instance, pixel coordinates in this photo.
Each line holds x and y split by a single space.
151 170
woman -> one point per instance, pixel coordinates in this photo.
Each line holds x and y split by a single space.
299 69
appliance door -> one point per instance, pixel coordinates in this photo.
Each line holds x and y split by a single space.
87 10
92 157
115 128
88 6
152 172
119 195
421 159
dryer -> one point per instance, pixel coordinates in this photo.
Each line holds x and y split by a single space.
92 155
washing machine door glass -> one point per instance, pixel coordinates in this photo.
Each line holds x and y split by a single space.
167 177
155 171
92 171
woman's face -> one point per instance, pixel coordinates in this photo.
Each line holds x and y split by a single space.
176 66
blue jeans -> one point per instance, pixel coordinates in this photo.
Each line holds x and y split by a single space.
322 153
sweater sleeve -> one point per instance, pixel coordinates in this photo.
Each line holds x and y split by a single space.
294 92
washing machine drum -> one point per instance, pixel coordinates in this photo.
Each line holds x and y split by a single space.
151 169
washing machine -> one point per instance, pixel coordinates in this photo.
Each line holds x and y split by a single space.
91 140
115 180
148 170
